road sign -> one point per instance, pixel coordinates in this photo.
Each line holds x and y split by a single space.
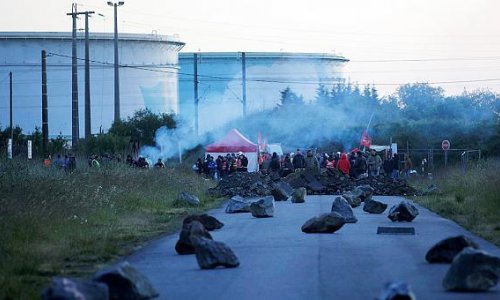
445 145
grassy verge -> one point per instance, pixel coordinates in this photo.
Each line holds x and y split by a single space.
53 223
471 198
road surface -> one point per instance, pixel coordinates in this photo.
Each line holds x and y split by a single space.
278 261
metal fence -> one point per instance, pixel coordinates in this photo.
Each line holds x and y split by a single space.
427 161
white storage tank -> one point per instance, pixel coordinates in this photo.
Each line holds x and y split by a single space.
267 73
148 77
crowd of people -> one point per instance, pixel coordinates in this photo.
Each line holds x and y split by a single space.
68 163
355 164
222 165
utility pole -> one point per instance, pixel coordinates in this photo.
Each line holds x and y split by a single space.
88 120
196 99
75 130
117 80
244 83
45 113
10 100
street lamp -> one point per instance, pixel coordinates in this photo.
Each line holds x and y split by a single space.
117 80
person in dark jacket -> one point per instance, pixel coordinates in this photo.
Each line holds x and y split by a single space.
275 164
287 166
243 163
298 161
359 166
395 166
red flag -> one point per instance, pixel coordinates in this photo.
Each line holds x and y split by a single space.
259 142
366 140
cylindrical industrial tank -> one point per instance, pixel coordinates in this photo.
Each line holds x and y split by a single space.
267 74
148 77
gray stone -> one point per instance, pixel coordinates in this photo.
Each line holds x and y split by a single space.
445 250
472 271
353 199
238 204
325 223
342 207
281 191
403 212
397 290
184 245
210 223
75 289
126 283
187 198
299 195
374 207
364 192
211 254
263 208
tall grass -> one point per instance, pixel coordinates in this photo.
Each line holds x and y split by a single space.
56 223
471 197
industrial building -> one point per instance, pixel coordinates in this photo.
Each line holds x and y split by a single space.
220 81
148 77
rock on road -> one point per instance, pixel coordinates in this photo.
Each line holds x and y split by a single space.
278 261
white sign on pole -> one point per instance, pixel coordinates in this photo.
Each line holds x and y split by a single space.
30 149
445 145
9 149
394 148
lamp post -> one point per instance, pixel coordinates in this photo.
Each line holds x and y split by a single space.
117 80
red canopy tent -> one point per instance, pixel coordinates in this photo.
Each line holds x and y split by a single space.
235 142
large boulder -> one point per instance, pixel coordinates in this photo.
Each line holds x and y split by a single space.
125 282
281 191
184 245
187 198
472 270
403 212
445 250
263 208
342 207
238 204
325 223
211 254
374 207
364 192
210 223
354 200
75 289
396 290
299 195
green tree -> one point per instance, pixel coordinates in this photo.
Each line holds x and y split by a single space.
419 100
143 125
289 98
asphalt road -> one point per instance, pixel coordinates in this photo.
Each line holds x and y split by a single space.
278 261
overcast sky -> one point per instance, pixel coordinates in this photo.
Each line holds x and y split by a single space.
458 40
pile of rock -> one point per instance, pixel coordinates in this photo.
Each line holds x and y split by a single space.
244 184
334 183
255 184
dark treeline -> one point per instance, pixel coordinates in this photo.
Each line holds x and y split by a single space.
418 115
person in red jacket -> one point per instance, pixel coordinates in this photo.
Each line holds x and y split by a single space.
344 165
